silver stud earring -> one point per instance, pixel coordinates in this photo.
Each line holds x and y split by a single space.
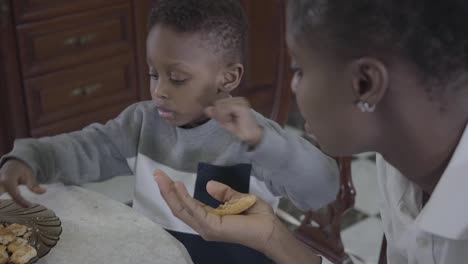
365 107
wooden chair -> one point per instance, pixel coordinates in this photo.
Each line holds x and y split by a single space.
321 230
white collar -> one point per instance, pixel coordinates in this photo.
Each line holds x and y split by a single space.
446 213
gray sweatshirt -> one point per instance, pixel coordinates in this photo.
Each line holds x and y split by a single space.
137 142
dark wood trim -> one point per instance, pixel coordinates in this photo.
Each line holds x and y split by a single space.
26 13
141 12
14 123
3 108
283 90
275 79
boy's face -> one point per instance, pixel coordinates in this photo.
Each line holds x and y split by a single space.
320 85
185 75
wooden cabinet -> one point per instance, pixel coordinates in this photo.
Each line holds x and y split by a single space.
65 64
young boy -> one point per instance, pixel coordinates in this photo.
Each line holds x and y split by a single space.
195 51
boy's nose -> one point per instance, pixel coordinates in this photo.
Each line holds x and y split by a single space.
160 92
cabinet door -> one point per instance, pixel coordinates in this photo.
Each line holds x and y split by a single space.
267 84
141 12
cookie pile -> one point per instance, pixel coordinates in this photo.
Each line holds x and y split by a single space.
14 247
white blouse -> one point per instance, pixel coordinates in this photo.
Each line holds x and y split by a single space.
437 233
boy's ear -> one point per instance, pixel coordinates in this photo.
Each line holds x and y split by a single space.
231 77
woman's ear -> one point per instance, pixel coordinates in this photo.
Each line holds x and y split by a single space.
231 77
370 80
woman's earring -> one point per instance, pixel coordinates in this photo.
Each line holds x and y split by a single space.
365 107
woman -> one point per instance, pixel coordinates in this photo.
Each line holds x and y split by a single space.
370 75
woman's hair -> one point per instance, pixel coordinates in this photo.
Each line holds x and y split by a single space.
223 23
432 34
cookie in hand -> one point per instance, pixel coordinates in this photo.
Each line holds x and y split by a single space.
236 206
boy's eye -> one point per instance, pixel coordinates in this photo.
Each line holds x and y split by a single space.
153 76
178 82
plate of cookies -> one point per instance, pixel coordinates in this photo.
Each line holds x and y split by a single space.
26 234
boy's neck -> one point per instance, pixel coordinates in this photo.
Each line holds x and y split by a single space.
196 123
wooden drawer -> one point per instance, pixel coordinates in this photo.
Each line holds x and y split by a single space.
57 43
78 122
61 95
29 10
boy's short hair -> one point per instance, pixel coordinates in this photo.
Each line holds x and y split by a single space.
431 34
223 23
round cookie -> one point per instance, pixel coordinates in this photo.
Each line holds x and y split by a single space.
236 206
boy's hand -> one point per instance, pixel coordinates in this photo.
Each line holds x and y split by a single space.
235 115
14 173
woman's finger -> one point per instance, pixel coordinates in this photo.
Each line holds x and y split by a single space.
198 210
174 200
190 211
222 192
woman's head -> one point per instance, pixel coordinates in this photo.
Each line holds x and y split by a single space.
394 55
195 54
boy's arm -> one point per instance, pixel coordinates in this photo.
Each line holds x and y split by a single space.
289 165
294 168
97 152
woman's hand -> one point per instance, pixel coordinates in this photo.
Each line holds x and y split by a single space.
254 229
257 228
